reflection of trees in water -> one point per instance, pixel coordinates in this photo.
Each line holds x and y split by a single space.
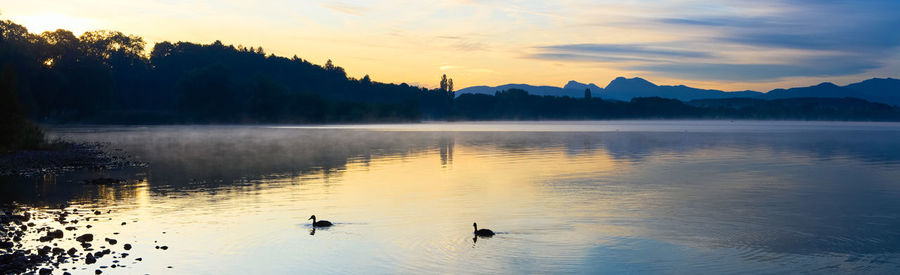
446 147
190 158
223 156
208 158
59 191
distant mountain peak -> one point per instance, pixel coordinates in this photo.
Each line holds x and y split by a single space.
575 85
629 83
883 90
826 85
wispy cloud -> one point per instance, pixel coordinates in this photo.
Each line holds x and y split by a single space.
807 67
576 57
623 49
736 43
346 8
787 38
469 46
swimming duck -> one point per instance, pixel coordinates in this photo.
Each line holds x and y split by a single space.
482 232
322 223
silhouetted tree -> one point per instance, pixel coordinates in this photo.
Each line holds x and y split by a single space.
450 86
587 93
207 94
106 77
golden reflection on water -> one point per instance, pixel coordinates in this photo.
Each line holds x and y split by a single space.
405 202
401 202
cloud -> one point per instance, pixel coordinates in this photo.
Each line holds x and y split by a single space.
468 46
734 41
463 44
807 25
759 72
346 8
623 49
685 21
561 56
449 67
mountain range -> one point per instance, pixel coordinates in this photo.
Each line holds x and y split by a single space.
883 90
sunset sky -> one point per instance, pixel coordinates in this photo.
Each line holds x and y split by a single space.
730 45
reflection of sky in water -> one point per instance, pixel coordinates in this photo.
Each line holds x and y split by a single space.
800 196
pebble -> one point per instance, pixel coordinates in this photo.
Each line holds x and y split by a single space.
56 234
85 238
89 259
45 259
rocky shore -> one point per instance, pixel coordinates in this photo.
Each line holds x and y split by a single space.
37 240
63 156
42 241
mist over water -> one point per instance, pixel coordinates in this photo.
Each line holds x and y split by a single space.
574 197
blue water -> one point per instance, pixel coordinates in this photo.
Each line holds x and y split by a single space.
564 197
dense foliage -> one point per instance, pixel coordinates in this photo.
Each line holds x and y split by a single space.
104 76
108 77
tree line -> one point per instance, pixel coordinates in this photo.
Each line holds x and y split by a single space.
517 104
108 77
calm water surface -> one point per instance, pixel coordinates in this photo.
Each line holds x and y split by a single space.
564 197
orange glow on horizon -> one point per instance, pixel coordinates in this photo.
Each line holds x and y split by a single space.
473 42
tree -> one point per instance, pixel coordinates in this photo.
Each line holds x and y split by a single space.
444 83
587 93
207 94
450 85
267 102
61 46
113 47
329 66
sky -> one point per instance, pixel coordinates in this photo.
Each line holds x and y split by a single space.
729 45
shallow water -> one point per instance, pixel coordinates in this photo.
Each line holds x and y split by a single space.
564 197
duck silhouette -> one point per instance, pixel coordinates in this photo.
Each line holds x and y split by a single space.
484 232
322 223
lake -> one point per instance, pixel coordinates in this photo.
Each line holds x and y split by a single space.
563 197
